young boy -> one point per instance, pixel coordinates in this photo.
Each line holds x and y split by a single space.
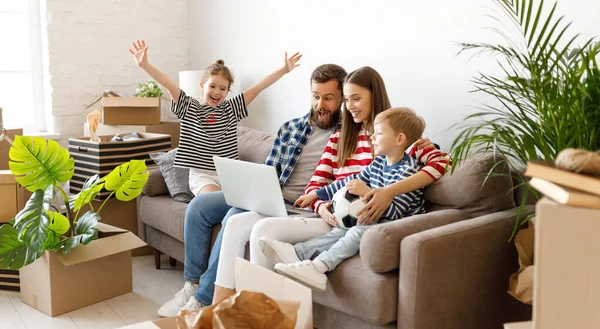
395 130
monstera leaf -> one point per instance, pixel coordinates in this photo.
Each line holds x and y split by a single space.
33 221
38 163
127 180
85 231
57 226
91 188
13 253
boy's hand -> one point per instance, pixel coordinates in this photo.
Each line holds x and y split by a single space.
380 199
326 215
306 200
358 187
140 52
424 143
291 63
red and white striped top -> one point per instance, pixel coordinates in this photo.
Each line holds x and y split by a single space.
328 170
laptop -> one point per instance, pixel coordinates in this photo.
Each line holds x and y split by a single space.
255 187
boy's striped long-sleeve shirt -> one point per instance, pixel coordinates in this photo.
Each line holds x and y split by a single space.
380 174
432 161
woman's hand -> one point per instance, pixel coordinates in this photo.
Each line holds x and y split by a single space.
291 63
357 187
306 200
326 215
380 199
424 143
140 54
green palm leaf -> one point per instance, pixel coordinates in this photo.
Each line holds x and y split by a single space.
33 221
37 163
548 98
127 180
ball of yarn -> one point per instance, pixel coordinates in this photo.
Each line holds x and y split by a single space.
579 161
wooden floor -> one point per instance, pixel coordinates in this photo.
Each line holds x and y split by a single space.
151 288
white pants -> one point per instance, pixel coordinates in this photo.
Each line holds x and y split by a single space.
250 227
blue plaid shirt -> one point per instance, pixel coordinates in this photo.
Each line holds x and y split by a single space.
288 145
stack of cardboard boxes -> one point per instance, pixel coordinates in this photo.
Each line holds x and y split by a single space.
121 115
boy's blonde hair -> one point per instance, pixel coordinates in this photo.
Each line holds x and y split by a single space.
403 120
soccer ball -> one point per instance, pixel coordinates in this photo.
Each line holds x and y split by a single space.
345 207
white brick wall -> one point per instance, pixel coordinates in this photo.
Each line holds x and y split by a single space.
85 52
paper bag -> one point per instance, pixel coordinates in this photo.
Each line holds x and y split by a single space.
246 309
521 283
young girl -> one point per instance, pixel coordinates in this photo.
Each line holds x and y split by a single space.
209 126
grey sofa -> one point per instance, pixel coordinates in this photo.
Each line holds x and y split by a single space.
446 269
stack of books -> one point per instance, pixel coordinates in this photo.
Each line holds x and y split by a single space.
563 186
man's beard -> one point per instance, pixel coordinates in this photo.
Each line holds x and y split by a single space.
326 123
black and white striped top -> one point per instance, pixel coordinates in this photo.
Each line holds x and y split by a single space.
206 131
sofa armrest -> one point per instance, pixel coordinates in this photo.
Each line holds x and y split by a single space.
380 245
456 276
156 183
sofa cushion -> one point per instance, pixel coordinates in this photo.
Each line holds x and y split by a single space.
465 189
177 179
380 245
164 214
254 145
156 183
355 290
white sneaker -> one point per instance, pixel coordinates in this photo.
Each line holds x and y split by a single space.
192 305
171 307
304 272
278 252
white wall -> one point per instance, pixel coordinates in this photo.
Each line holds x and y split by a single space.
411 44
85 52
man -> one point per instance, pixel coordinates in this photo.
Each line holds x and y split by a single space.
295 155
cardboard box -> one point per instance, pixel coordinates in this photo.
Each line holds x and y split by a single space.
5 147
255 278
13 196
130 110
102 157
123 215
567 267
166 128
58 283
519 325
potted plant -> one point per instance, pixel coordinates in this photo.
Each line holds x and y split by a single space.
548 98
41 166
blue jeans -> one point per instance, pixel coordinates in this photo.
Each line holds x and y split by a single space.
334 247
205 211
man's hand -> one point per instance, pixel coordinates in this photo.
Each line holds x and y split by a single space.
306 200
292 62
357 187
424 143
380 200
140 52
326 215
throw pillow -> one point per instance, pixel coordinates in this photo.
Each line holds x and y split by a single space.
177 179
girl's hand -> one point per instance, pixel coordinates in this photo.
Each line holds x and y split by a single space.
358 187
381 199
140 54
326 215
424 143
291 63
306 200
